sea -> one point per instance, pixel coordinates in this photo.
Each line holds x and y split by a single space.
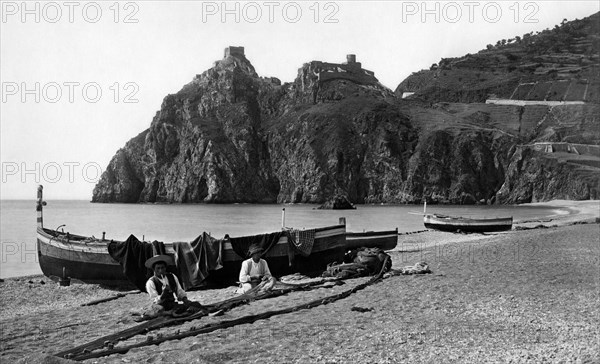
184 222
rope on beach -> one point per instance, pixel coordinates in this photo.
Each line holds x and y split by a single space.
230 323
163 321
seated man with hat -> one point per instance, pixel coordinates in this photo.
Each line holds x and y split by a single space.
164 288
255 271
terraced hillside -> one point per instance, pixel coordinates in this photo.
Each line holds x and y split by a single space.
537 66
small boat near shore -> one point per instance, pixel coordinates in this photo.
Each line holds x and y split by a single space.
465 224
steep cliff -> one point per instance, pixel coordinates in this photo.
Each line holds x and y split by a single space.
470 153
204 144
233 136
549 89
561 161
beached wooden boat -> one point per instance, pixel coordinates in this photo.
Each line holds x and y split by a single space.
464 224
78 257
87 258
386 240
329 246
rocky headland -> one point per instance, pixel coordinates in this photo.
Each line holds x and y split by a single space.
517 122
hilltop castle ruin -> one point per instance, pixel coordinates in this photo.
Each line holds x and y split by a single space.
325 71
349 70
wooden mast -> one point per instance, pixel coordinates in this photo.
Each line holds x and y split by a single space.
40 203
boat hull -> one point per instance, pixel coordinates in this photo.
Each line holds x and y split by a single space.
88 259
329 246
452 224
89 263
386 240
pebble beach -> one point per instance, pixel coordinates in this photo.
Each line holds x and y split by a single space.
529 295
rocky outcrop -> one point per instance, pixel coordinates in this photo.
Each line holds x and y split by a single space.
479 153
123 179
204 145
233 136
533 177
460 168
338 202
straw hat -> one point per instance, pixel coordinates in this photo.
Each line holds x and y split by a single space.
255 249
158 258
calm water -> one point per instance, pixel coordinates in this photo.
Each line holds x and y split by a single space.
18 256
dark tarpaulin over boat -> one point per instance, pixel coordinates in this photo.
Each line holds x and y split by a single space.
242 244
132 255
194 260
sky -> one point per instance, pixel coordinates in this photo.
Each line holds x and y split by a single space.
79 79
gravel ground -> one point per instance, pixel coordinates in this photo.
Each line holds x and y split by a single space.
527 296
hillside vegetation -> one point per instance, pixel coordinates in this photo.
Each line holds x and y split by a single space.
568 54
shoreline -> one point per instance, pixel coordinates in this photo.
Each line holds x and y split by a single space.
572 212
563 209
521 295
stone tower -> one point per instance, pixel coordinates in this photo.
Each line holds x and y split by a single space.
351 61
234 51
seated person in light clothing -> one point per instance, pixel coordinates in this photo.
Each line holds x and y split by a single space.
164 289
255 271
